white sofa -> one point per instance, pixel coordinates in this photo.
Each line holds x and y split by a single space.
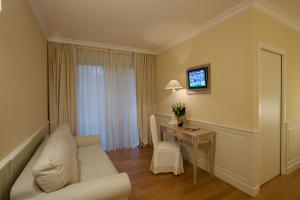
98 178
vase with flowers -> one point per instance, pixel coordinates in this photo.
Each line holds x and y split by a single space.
179 110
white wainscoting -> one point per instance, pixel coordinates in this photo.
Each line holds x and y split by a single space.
293 145
236 154
12 165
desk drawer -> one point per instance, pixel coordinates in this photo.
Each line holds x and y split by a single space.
179 135
170 131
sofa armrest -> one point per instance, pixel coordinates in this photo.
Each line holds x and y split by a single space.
87 140
113 187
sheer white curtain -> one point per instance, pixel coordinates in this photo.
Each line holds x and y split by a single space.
106 97
90 100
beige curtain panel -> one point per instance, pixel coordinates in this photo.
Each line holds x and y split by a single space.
62 79
145 91
63 60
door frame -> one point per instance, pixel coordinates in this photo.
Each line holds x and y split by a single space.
283 145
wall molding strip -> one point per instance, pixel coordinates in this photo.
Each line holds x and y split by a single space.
213 125
209 24
13 164
20 147
276 13
260 5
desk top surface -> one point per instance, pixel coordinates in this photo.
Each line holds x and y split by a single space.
188 129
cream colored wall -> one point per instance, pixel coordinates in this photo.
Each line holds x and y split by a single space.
232 49
272 32
228 47
23 75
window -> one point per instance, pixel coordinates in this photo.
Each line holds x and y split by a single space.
106 105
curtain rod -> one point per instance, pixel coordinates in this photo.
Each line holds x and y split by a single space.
93 47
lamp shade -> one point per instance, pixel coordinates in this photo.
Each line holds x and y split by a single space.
173 85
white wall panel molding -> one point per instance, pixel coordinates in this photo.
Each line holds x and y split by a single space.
236 150
293 145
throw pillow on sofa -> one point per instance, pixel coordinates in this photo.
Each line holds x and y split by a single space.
64 131
57 164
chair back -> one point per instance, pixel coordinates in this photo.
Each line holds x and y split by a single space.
153 128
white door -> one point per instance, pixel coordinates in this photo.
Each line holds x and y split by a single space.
270 114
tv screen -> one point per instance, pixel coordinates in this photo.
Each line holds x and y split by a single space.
197 78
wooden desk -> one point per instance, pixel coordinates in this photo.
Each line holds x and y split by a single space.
194 137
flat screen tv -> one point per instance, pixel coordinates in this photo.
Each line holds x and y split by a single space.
198 79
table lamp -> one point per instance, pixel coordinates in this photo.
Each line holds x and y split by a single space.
173 85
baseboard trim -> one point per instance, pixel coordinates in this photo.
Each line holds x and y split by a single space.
236 182
293 165
227 176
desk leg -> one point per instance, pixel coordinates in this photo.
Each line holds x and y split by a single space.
211 155
195 148
161 134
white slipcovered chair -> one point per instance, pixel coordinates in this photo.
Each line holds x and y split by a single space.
166 155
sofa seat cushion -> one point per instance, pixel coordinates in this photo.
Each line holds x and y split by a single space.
94 163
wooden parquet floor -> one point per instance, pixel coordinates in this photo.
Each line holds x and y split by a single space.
147 186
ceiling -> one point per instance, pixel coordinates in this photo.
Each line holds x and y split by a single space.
142 24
